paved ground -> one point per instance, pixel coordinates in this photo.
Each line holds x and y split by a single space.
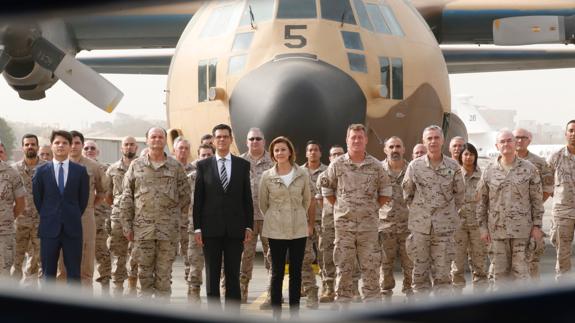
257 292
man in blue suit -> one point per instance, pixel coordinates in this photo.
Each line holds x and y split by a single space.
61 192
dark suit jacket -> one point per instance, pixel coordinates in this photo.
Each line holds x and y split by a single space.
218 213
59 211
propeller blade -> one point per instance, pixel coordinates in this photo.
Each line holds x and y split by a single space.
82 79
4 59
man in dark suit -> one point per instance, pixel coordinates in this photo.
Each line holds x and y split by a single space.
61 192
223 216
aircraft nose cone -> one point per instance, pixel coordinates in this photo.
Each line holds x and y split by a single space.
298 97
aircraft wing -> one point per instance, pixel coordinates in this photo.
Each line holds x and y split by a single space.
503 22
472 59
154 63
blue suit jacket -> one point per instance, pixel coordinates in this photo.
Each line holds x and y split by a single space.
60 211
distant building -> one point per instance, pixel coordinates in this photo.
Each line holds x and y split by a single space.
110 147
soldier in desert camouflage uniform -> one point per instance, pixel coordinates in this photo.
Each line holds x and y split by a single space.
102 219
12 203
357 186
418 151
433 189
456 147
314 167
195 251
98 186
510 209
182 155
327 236
523 138
155 192
562 164
120 247
468 244
260 161
27 222
393 218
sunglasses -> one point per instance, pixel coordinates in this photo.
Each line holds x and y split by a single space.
89 148
255 138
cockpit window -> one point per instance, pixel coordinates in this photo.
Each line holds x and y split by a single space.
362 15
377 18
262 10
391 20
289 9
351 40
221 20
338 10
242 41
357 62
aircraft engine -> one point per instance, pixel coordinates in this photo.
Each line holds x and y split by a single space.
28 78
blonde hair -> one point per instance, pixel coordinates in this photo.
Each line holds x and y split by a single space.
356 127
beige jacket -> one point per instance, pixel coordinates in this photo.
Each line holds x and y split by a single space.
284 207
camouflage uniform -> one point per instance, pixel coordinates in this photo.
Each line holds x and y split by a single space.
102 219
11 188
433 197
357 188
393 233
27 226
150 208
247 265
120 247
184 237
546 175
468 244
326 242
312 243
98 185
195 251
510 204
562 164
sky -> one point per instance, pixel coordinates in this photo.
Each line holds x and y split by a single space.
544 95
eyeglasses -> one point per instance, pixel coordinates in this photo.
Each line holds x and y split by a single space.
255 138
89 148
521 137
336 154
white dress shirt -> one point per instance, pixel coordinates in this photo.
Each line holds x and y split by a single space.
228 163
65 166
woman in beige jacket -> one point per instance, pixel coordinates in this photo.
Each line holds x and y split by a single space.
284 197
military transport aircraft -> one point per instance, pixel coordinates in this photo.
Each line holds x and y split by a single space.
301 68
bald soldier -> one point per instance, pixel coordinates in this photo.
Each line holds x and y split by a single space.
45 153
12 203
155 193
102 218
455 147
98 185
27 222
120 247
510 209
433 190
357 185
523 139
182 155
260 161
195 251
562 165
418 151
393 218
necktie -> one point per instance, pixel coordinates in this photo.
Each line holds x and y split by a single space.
61 178
224 174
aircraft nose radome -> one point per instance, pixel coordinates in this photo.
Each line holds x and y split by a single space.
298 97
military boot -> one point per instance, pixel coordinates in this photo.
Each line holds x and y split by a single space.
132 286
244 290
194 295
118 289
356 298
267 304
328 293
312 301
